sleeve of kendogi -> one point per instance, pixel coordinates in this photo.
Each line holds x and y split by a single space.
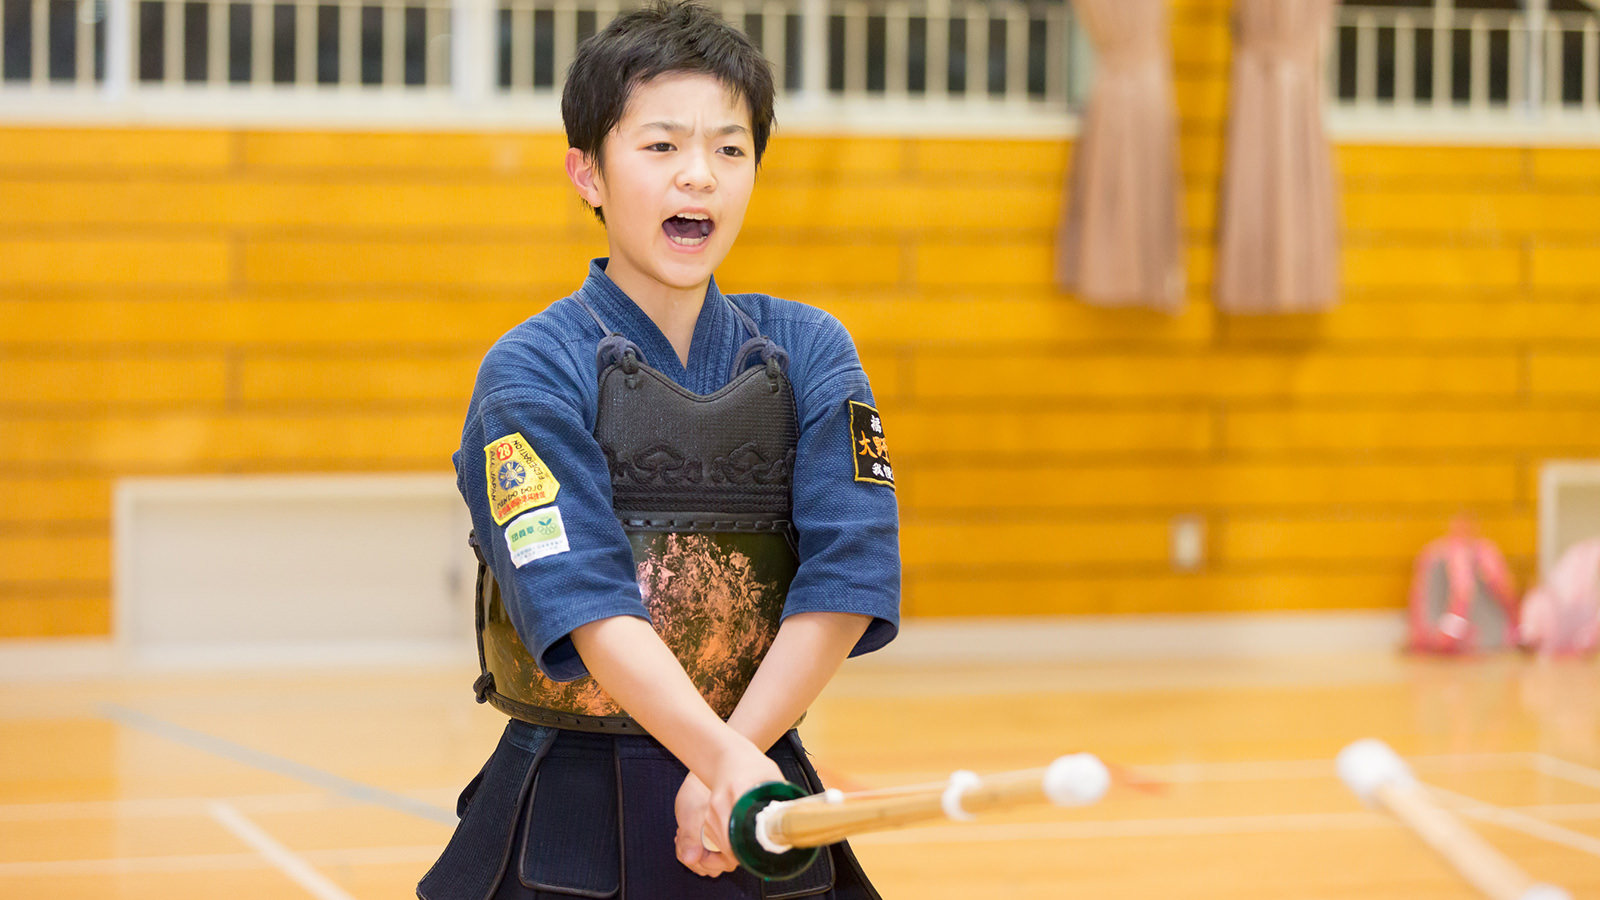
844 495
537 485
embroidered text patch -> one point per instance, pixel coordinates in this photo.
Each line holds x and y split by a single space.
536 535
518 479
869 446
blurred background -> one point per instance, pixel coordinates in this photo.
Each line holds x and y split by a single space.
251 253
243 239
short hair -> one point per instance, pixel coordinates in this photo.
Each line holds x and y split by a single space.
663 37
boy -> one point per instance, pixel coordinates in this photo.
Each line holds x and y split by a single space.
683 503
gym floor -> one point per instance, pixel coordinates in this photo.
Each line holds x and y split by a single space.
341 784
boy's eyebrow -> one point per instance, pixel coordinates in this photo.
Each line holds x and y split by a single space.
680 128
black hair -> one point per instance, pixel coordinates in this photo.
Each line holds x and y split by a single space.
663 37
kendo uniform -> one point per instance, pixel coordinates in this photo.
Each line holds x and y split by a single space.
713 500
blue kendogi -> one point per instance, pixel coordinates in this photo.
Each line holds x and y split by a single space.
605 478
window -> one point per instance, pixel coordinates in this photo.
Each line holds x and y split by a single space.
1013 58
1473 55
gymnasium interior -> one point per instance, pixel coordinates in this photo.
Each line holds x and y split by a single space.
1211 338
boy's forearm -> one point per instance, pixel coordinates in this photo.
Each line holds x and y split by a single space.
804 656
633 665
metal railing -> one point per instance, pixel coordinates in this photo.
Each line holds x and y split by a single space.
1412 64
1017 50
489 58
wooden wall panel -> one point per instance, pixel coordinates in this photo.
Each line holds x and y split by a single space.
32 496
487 264
361 379
968 434
1050 594
344 437
55 383
1010 545
329 206
112 262
1400 164
260 317
1425 265
35 614
1251 539
63 558
212 301
1024 317
947 158
1563 164
1573 267
116 149
422 153
1471 429
1564 373
957 487
1151 376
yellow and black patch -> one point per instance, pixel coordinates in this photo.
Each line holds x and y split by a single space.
868 445
518 479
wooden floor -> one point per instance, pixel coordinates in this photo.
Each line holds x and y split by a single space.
340 786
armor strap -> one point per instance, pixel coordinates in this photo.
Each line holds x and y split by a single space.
615 348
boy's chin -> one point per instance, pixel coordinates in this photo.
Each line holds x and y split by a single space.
689 272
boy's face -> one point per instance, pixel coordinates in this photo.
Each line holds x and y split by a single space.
679 169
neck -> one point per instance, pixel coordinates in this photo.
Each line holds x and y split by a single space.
674 310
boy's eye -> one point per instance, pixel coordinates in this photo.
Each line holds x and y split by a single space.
733 151
660 147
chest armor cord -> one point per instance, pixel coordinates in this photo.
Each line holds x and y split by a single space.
701 486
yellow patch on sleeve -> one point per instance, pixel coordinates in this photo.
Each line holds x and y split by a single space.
518 479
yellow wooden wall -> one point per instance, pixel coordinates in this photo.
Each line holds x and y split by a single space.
177 302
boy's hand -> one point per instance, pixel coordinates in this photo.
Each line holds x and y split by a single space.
692 807
705 811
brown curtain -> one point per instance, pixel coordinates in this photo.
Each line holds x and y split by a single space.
1121 239
1279 244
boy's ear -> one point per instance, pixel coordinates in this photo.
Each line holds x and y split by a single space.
585 175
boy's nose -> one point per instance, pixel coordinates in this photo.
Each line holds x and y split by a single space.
696 173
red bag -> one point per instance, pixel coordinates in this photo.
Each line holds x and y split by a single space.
1462 598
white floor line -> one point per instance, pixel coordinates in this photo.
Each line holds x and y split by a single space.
1516 821
420 854
1577 811
177 807
280 856
1569 771
131 865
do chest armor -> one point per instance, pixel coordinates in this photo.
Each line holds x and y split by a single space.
701 486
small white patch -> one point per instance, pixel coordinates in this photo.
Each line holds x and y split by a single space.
536 535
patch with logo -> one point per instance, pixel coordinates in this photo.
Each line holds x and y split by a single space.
536 535
518 479
869 446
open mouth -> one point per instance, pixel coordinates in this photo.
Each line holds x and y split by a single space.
690 230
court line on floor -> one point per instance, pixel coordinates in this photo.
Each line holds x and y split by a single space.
1557 767
131 865
178 807
282 858
1196 826
149 865
1516 821
1039 831
278 765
